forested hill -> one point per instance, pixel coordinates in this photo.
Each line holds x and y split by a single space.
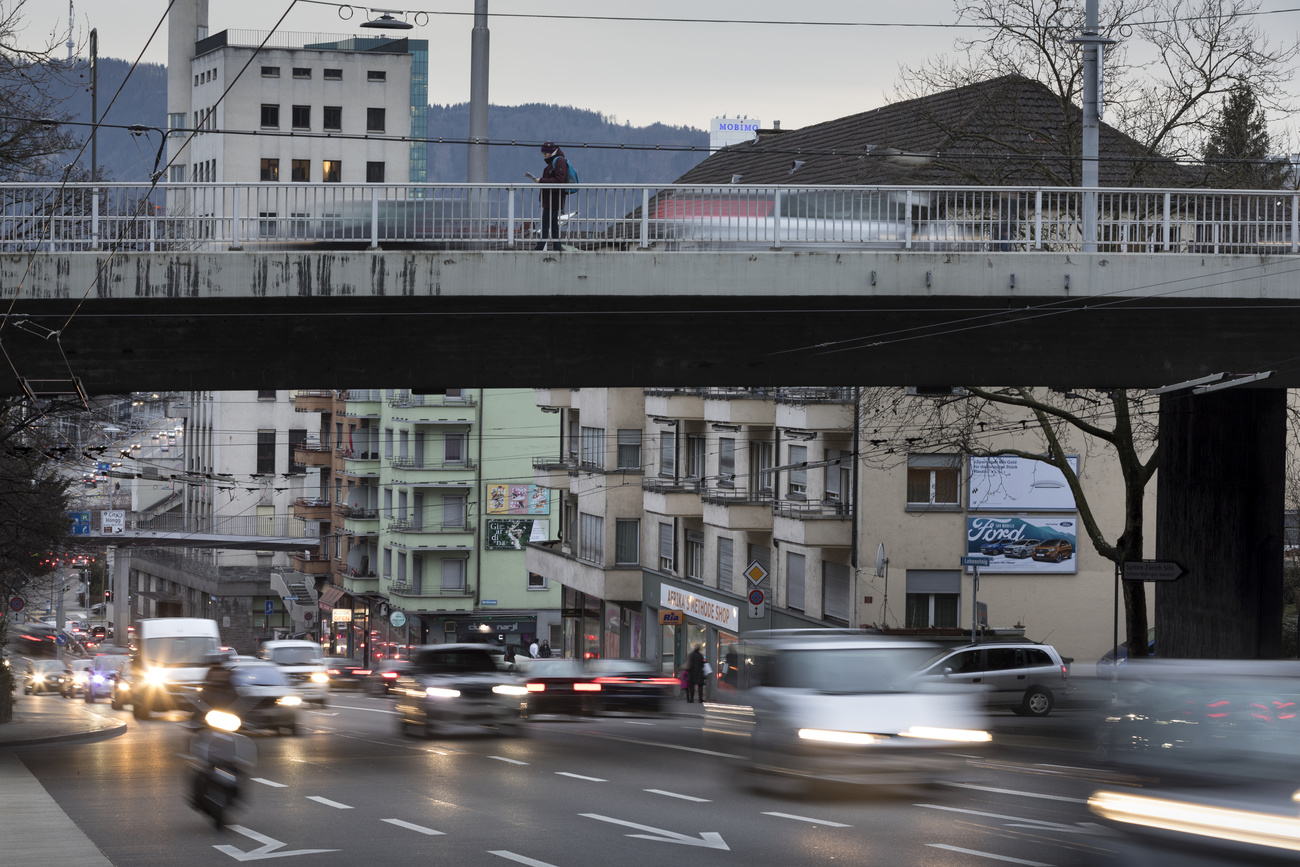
130 158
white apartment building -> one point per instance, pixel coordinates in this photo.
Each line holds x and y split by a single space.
676 504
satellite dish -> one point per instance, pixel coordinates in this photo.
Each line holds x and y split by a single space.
881 561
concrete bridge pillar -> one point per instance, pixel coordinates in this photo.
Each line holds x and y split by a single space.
1220 502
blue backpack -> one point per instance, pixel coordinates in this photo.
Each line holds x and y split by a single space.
573 176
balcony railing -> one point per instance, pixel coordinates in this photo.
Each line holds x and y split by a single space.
404 398
358 513
802 396
272 216
733 497
550 463
659 485
804 510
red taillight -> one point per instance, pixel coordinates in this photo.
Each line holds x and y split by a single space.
389 675
609 680
333 671
584 686
537 687
362 672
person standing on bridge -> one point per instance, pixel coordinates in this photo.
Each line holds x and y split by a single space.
556 177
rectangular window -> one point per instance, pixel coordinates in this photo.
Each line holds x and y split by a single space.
332 117
176 174
667 551
839 477
331 171
627 542
270 170
695 555
726 565
933 480
302 117
453 511
695 452
629 449
835 592
453 448
726 461
591 538
794 569
301 171
931 610
374 173
453 574
798 477
668 454
593 447
401 568
388 563
760 466
266 452
270 72
266 224
270 116
302 72
374 120
376 75
333 75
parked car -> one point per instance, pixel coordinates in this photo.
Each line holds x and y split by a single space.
44 676
1054 550
1027 677
840 706
458 685
76 684
1022 549
996 547
260 693
304 663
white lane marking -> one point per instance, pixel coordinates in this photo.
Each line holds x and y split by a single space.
1037 824
636 722
323 713
581 777
507 761
266 850
665 746
675 795
707 839
366 709
998 791
327 802
825 822
423 830
988 855
518 859
270 783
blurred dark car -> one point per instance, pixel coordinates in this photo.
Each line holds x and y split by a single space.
1054 550
256 691
44 676
458 685
384 676
346 673
76 684
595 686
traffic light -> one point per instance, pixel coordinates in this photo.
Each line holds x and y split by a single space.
108 595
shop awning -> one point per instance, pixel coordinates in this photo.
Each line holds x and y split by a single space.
331 595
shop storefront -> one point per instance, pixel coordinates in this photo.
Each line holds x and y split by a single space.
688 616
597 629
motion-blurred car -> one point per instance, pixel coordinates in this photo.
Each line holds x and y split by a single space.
1027 677
305 665
76 684
458 685
44 676
384 675
845 707
103 671
346 673
593 686
1106 665
1053 550
1022 549
258 692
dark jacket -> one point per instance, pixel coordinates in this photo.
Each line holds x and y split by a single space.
556 173
695 665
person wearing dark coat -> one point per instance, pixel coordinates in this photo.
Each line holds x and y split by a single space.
556 176
695 667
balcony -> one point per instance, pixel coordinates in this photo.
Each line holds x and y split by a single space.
430 536
358 583
559 398
312 563
436 409
549 472
815 409
430 472
753 406
413 591
359 521
738 509
404 398
676 497
359 463
312 509
314 400
607 582
313 456
362 403
813 523
683 403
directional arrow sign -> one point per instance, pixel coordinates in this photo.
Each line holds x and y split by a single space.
1153 570
707 839
266 850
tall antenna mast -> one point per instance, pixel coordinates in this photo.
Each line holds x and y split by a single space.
71 45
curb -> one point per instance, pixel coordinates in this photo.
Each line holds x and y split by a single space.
100 734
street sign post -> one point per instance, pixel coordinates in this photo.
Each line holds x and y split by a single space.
1152 570
757 606
975 561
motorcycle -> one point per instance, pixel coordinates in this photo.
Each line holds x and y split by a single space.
220 758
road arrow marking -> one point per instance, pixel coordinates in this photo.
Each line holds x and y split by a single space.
266 850
707 839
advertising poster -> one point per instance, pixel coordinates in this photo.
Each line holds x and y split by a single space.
1037 545
507 535
518 500
1014 484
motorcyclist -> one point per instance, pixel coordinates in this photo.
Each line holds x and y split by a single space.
220 758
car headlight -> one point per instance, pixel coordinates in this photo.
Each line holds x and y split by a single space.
441 692
965 736
509 689
319 677
154 677
831 737
289 700
40 678
79 677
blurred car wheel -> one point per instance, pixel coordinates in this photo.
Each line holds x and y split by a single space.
1038 702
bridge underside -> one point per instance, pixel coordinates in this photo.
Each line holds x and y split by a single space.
431 320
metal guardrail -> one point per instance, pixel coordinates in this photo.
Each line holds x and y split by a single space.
236 525
274 216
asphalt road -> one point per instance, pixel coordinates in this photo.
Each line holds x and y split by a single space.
618 790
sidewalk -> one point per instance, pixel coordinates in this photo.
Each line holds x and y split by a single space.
40 719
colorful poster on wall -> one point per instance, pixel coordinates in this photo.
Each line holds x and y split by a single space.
507 535
1008 483
1038 545
518 500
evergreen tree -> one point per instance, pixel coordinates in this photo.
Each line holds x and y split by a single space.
1236 153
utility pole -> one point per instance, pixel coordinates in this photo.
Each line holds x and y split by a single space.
94 104
1093 67
477 167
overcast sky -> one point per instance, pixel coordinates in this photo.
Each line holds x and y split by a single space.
678 72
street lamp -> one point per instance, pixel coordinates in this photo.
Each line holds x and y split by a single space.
386 21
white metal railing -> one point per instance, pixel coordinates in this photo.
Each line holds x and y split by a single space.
264 217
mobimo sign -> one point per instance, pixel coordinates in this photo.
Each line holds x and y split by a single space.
700 607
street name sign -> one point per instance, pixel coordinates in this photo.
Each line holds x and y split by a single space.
1152 570
977 561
